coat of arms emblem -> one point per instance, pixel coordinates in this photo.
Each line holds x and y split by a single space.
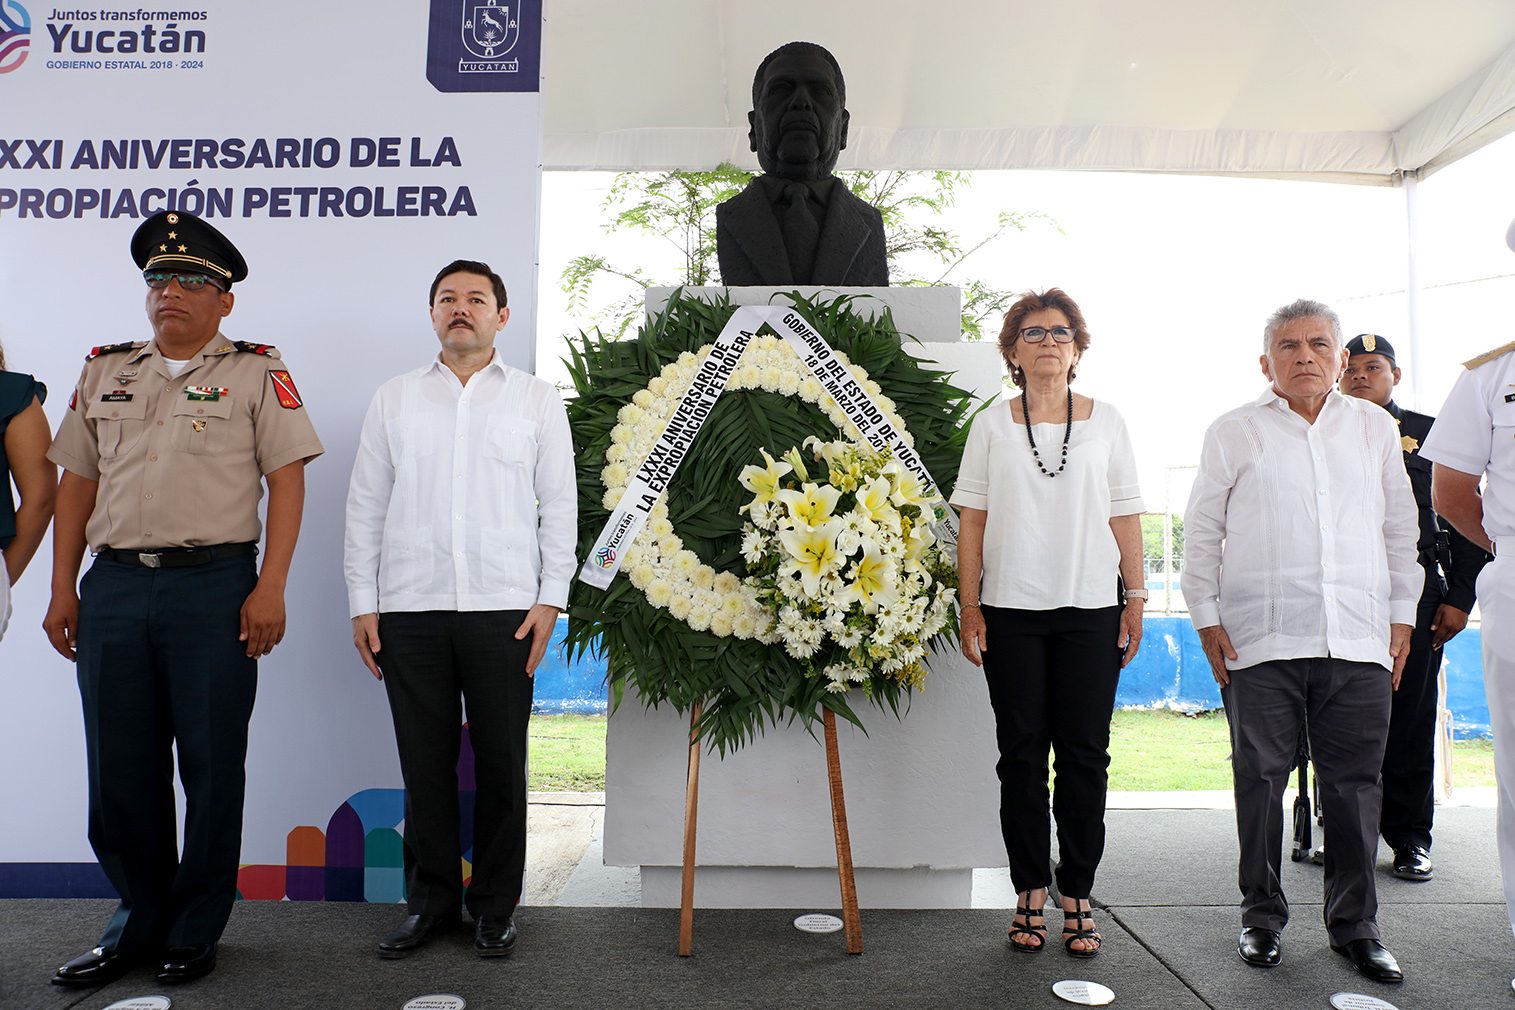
490 30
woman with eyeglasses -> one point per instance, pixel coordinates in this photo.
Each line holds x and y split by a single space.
24 439
1050 565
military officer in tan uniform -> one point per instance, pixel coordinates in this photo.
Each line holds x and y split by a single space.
166 447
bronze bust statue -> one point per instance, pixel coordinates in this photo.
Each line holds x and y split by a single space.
797 223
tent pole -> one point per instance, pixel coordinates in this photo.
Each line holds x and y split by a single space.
1412 288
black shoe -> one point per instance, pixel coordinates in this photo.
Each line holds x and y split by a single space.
415 932
97 967
1260 946
493 935
187 963
1412 862
1371 959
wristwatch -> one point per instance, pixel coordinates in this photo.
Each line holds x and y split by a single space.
1137 594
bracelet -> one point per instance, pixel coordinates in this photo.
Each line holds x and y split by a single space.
1138 594
975 606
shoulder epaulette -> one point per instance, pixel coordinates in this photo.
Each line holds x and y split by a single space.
243 345
95 352
1488 356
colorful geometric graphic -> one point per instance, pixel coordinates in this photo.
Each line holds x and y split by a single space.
15 35
361 854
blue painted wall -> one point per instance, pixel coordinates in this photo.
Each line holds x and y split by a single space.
566 686
1170 671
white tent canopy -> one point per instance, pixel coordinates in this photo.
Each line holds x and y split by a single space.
1364 91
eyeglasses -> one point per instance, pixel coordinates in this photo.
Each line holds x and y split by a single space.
189 282
1036 334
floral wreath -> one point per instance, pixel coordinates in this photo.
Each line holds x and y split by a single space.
687 625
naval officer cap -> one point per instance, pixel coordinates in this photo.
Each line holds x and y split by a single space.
1370 343
174 240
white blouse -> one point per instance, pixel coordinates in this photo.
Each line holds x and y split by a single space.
1047 540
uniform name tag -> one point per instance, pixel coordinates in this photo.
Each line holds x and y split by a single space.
210 393
116 396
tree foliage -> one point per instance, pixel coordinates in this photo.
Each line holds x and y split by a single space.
679 208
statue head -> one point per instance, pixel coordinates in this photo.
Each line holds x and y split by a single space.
799 117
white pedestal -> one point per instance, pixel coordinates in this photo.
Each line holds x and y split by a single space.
921 793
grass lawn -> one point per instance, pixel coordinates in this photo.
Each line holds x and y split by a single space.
1169 750
567 753
1149 750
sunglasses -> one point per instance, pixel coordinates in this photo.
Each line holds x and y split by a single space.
189 282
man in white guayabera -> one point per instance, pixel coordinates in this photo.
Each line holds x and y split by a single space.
461 524
1303 502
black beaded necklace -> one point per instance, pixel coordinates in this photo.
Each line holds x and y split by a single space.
1067 433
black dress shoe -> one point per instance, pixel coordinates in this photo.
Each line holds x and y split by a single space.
1371 959
97 967
493 935
1412 862
1260 946
415 932
187 963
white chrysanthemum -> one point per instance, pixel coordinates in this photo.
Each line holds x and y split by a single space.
684 564
612 497
641 576
615 475
699 618
721 625
703 576
660 593
680 606
733 604
727 584
631 414
616 453
743 626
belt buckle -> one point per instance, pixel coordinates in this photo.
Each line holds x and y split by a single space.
150 560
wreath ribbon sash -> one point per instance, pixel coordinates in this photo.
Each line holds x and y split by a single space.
657 470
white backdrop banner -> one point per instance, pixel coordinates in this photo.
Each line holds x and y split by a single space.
350 151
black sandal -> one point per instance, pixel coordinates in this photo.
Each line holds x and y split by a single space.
1079 914
1039 933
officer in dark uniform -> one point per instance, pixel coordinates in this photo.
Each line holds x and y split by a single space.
166 447
1409 757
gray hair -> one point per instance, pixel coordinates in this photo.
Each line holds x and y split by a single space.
1304 308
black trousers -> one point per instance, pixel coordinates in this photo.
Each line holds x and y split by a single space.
1052 676
434 662
1409 759
159 668
1346 707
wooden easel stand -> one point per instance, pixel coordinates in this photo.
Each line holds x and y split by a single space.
851 918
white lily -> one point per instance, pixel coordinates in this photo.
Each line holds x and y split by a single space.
814 553
811 505
872 580
763 481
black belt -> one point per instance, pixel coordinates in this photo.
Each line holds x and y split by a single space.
179 557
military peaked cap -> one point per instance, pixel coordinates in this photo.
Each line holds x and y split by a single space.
174 240
1370 343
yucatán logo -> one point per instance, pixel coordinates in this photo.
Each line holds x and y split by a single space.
489 33
15 35
484 45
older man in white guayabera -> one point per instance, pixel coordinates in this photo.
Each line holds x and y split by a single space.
1302 499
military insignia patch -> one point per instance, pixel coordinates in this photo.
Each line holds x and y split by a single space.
1408 444
197 424
289 397
243 345
95 352
73 401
